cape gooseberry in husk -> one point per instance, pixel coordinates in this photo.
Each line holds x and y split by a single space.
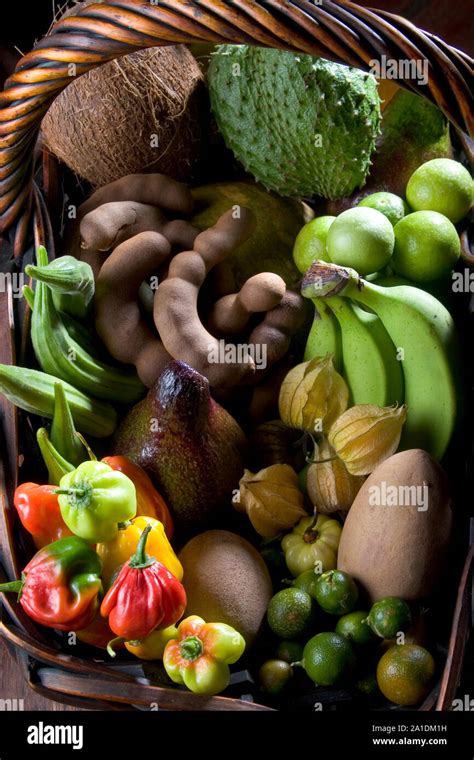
145 112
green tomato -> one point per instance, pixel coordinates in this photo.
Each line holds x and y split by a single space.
312 545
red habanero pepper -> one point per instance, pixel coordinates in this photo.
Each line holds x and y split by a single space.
149 501
39 512
144 596
60 585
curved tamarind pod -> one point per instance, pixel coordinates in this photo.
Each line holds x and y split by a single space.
181 233
231 314
119 321
109 225
221 280
278 327
176 304
153 192
215 243
151 189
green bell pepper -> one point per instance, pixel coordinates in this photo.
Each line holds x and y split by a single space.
94 499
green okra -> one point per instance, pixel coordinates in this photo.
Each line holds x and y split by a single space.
56 465
33 391
60 355
63 435
70 280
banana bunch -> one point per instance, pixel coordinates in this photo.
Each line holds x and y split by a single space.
396 345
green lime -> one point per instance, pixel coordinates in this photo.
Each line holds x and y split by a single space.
307 582
336 592
310 243
274 675
355 627
367 684
290 613
361 238
441 185
389 616
328 659
405 674
426 246
389 204
290 651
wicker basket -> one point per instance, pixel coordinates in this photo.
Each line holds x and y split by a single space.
339 31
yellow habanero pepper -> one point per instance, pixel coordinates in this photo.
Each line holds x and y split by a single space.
153 646
114 553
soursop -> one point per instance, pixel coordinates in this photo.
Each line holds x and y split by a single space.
301 125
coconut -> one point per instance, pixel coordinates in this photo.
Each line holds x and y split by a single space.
145 112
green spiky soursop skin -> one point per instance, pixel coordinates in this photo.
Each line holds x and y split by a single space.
302 126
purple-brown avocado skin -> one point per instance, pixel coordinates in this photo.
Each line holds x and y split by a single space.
189 444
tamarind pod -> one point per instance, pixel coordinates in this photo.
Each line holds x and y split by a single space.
104 228
108 225
231 314
279 325
119 321
230 231
181 233
151 189
59 355
33 391
176 303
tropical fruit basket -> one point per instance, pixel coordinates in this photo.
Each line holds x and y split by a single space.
234 397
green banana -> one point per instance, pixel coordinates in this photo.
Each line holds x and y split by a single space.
424 335
33 391
325 336
371 368
60 355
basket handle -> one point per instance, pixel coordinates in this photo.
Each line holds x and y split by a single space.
338 30
458 637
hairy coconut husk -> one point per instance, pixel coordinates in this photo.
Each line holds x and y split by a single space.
145 112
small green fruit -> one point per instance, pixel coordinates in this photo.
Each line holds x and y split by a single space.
336 592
